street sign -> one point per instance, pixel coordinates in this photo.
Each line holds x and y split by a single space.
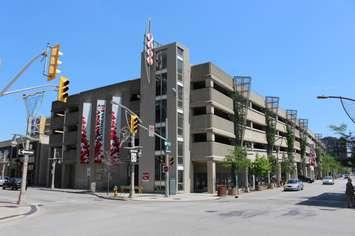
133 157
146 176
151 130
167 146
26 152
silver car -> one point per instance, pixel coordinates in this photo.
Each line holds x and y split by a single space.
328 180
293 185
2 180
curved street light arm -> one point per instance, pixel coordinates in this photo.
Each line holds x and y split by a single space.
18 75
347 113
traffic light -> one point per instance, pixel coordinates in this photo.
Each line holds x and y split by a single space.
149 48
63 89
133 124
54 61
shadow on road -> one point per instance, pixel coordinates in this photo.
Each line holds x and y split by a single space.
336 200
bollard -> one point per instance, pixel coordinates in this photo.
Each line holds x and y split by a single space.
115 191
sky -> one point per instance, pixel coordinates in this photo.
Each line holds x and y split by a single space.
295 50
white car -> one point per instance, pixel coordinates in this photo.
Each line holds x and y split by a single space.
2 180
328 180
294 185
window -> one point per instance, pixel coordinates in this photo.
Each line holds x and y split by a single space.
198 85
259 146
259 127
180 97
222 90
180 124
162 61
180 69
222 139
160 111
180 180
221 113
160 84
180 52
180 153
257 107
199 111
201 137
159 173
159 143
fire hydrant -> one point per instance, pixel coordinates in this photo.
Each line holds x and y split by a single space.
115 191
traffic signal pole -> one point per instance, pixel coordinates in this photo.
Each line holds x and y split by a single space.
131 190
167 184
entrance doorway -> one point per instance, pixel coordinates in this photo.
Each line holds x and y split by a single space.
200 177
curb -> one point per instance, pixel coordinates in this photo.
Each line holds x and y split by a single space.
110 198
33 209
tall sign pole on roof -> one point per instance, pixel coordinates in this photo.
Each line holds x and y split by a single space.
148 49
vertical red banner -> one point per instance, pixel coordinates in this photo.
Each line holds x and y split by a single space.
100 131
115 140
85 134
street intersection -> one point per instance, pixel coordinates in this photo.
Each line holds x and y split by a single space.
317 210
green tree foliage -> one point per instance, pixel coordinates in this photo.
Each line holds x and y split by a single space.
237 159
261 166
238 162
290 139
270 133
339 129
331 166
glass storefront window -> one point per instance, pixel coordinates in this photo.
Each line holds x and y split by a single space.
180 180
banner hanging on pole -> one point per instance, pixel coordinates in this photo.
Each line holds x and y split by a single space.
100 131
85 134
115 138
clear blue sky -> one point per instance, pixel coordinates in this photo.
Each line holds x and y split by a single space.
292 49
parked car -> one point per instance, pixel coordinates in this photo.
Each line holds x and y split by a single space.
294 185
346 176
2 181
328 180
306 179
12 183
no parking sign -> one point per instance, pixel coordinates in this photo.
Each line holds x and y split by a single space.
146 176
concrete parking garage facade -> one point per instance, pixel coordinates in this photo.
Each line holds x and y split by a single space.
195 101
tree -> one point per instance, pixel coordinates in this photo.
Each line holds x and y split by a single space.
288 162
238 162
303 144
261 166
343 142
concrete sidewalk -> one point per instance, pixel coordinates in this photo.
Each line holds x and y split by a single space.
10 210
180 197
142 196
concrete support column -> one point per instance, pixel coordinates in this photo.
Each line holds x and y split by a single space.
211 177
210 109
210 137
209 83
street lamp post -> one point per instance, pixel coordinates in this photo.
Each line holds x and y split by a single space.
342 103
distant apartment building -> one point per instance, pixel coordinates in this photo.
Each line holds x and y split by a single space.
191 105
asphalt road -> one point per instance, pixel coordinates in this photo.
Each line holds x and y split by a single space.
317 210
